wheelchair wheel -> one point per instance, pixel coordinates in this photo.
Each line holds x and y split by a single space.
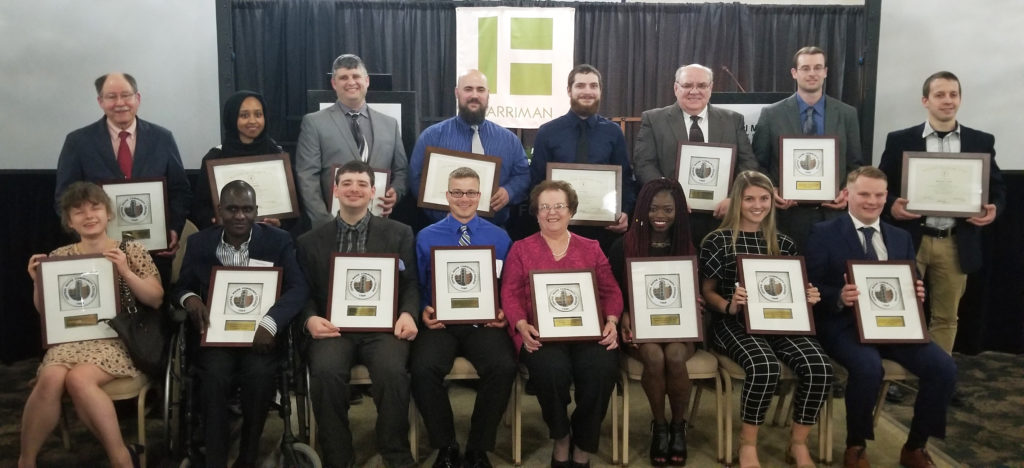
305 457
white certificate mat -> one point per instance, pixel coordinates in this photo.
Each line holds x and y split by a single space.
808 169
363 294
946 184
239 298
888 309
270 177
663 299
565 305
380 186
776 294
465 287
705 172
598 188
78 292
140 211
439 163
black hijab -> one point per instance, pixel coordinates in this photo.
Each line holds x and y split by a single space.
231 144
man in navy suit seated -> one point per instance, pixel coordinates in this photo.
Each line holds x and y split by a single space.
862 236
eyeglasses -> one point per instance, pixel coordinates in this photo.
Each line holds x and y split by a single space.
460 194
115 97
555 207
699 86
808 68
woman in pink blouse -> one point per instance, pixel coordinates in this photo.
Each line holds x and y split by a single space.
555 366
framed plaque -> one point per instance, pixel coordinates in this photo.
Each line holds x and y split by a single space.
438 163
239 298
270 175
565 305
363 293
888 309
705 171
776 294
946 184
140 211
381 181
663 303
808 169
599 187
464 284
78 293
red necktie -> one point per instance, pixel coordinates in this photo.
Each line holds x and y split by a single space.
124 155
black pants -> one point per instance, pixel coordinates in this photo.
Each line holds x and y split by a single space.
434 352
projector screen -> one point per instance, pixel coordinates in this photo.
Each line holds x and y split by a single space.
979 42
51 51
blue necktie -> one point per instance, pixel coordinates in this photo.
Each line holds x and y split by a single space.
809 127
463 235
869 248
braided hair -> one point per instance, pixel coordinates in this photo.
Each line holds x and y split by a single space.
638 238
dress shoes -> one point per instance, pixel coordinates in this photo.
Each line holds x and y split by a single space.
856 457
448 457
916 458
894 395
476 459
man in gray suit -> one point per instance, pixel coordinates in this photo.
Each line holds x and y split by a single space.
690 119
828 116
347 131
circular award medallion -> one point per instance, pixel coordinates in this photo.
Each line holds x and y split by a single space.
772 288
883 295
662 292
463 278
244 300
133 210
79 291
363 286
807 163
564 299
702 171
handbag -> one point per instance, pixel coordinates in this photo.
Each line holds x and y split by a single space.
144 330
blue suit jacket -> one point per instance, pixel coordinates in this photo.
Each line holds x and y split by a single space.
269 244
830 244
87 155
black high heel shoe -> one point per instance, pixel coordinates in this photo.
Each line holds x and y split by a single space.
677 448
134 450
659 444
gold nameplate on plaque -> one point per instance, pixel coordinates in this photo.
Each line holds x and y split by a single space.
76 321
661 320
137 234
362 311
569 322
890 321
239 325
808 185
786 314
465 303
701 195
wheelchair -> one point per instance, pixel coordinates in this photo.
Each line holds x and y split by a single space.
182 419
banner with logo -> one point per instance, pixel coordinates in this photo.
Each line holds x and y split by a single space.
526 54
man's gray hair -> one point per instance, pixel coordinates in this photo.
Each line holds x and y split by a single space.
680 70
349 62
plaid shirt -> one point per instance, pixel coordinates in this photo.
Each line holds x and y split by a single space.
352 238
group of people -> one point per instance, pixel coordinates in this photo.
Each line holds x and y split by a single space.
340 148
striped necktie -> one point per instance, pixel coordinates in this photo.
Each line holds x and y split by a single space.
463 235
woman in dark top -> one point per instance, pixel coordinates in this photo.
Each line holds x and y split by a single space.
661 227
245 134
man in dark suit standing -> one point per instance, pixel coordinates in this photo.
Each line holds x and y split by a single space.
807 112
662 130
347 131
331 354
122 146
862 236
948 249
238 242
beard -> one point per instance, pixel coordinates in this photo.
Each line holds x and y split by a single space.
583 110
473 117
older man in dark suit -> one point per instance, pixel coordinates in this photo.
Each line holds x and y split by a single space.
331 353
862 236
690 118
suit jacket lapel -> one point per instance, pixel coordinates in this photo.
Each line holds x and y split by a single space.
831 119
677 122
143 144
341 120
716 126
852 240
791 110
102 137
378 128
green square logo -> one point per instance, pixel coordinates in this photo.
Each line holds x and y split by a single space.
532 33
530 79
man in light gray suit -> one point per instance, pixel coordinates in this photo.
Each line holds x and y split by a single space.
347 131
828 116
690 119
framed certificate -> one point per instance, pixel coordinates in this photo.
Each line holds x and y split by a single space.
78 293
776 294
808 169
565 305
464 284
946 184
363 293
140 211
888 309
663 303
239 298
381 181
705 171
270 175
599 188
438 163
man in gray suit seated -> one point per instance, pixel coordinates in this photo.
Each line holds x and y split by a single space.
807 112
691 118
347 131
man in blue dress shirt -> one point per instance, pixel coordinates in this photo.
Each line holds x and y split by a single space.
488 347
470 131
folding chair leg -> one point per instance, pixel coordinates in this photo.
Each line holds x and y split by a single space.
625 419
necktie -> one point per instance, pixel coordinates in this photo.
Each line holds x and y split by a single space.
696 135
478 146
124 155
463 235
809 127
582 148
869 248
357 134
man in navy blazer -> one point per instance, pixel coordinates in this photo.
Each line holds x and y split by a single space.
91 153
948 249
238 242
862 236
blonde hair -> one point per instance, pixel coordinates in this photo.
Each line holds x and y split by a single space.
734 216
